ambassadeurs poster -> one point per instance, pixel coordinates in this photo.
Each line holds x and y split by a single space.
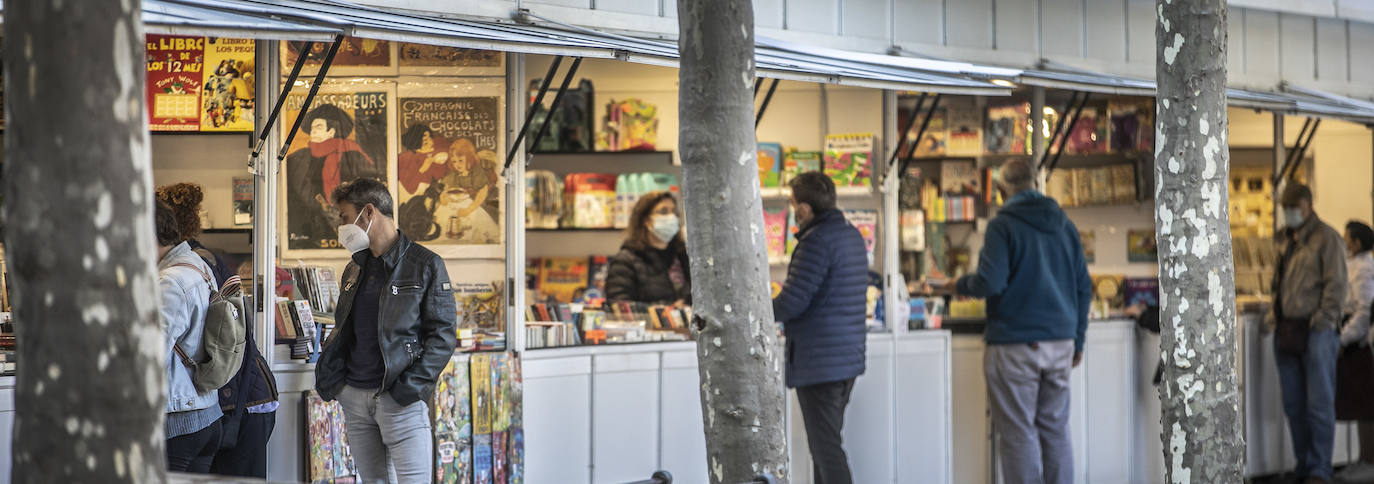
200 83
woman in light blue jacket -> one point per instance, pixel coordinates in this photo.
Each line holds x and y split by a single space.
193 427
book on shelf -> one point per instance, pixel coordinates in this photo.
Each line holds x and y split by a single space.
770 161
243 201
935 140
965 129
867 223
480 376
286 328
775 231
797 162
847 159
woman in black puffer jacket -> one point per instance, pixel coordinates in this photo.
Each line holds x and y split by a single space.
652 265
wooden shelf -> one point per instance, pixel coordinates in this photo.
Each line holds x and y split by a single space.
614 230
244 230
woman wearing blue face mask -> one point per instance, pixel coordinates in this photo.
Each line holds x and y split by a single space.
652 265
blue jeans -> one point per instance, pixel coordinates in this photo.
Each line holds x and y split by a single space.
1308 383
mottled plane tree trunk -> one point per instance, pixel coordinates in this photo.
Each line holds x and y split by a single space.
80 244
742 395
1200 401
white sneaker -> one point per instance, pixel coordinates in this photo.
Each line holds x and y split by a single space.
1358 472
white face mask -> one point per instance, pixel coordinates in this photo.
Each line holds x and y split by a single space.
665 227
1292 217
353 237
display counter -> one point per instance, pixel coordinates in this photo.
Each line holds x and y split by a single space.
617 413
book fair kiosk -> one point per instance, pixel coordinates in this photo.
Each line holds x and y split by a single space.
515 149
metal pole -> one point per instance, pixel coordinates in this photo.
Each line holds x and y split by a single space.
1038 133
767 99
910 124
1058 126
1280 157
266 125
529 115
934 105
1064 138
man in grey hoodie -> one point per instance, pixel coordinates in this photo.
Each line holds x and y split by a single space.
1034 275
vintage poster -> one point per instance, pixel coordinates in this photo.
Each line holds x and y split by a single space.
175 65
356 57
228 91
1141 247
448 167
427 59
344 137
452 409
480 304
480 369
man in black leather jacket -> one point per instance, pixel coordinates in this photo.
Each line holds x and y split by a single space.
396 333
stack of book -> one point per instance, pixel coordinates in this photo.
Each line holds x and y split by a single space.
655 317
296 327
318 285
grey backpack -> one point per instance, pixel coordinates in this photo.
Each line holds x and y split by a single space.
223 338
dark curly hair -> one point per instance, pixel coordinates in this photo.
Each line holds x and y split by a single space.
165 221
185 199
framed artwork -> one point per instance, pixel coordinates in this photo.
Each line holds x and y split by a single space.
425 59
1141 246
450 193
356 57
346 135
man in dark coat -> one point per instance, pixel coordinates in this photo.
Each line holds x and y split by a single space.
330 160
822 307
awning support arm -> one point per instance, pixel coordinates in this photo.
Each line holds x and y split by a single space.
310 96
758 83
276 110
934 105
1064 138
767 98
557 101
529 114
1058 127
1304 141
910 125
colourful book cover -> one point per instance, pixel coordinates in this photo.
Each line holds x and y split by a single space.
515 380
936 138
770 165
598 267
792 230
452 411
797 162
965 123
959 177
867 223
1005 131
1141 246
481 305
847 159
500 473
775 231
480 374
561 277
1141 290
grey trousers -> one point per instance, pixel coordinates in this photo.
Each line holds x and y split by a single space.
390 443
1028 395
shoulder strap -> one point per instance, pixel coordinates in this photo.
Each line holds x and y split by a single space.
177 347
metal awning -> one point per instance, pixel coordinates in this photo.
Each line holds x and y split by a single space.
771 60
1290 100
166 17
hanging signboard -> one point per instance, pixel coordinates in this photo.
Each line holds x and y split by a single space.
200 83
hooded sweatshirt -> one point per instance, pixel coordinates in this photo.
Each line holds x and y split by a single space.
1033 274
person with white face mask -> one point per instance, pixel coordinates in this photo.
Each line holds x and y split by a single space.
397 330
652 266
1309 289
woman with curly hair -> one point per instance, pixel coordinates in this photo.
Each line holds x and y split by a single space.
249 401
185 200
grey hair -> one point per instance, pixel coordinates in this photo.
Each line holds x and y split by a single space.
363 191
1017 176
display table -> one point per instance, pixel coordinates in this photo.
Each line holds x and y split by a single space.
610 414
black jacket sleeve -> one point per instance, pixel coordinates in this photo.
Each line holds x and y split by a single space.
438 338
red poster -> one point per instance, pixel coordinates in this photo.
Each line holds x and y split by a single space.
175 66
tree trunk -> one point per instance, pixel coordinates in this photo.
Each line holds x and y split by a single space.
1200 401
742 395
80 245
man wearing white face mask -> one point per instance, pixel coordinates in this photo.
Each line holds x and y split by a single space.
1309 297
652 265
397 321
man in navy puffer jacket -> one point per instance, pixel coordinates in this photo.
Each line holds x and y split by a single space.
822 308
1035 278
